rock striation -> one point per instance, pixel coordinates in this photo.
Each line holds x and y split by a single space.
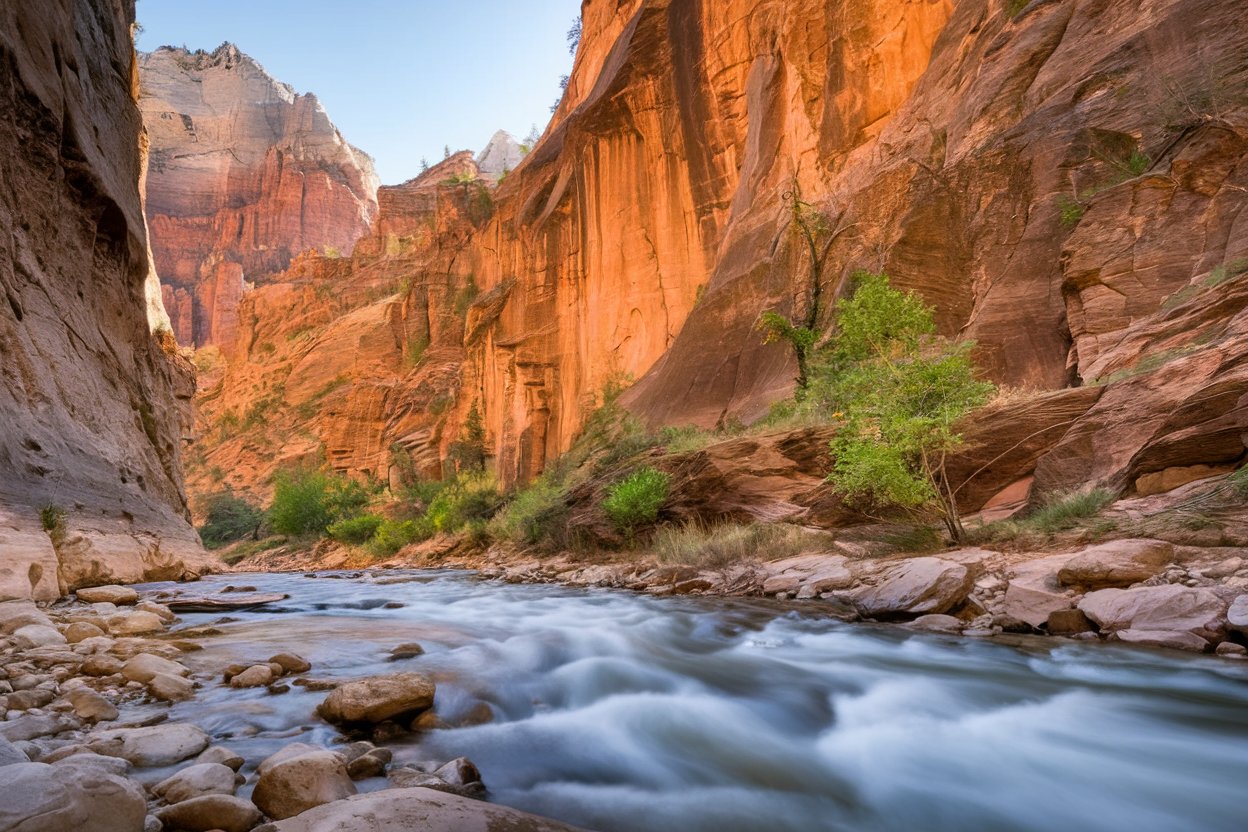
245 174
94 399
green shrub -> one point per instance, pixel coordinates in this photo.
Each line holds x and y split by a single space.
230 519
355 530
1071 210
635 500
532 514
463 500
307 501
52 518
685 439
393 535
1238 481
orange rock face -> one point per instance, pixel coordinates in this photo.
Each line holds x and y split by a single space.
1063 181
93 399
244 175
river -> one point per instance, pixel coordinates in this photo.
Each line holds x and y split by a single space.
623 712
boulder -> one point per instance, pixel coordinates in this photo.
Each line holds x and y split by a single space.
99 665
1237 614
90 706
10 753
379 698
298 783
1232 650
221 754
253 677
1118 563
915 587
290 663
159 610
17 614
38 635
815 573
197 781
34 726
1068 622
937 624
144 666
392 810
157 745
210 812
81 631
84 759
119 595
1179 640
135 623
1033 591
409 650
1170 608
169 688
44 798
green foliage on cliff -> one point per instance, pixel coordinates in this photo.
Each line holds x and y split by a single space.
357 530
898 392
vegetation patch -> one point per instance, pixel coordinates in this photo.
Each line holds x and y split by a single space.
230 519
307 502
355 530
635 501
711 546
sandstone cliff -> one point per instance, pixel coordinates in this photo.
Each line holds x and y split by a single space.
1063 180
94 403
245 174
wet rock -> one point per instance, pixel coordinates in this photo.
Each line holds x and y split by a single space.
417 808
144 666
242 602
1237 614
1068 622
37 635
135 623
253 677
89 706
81 631
379 698
460 772
211 812
169 688
44 798
1118 563
159 610
429 721
196 781
406 651
157 745
364 760
915 587
479 714
119 595
1033 591
937 624
101 666
298 783
222 755
1170 607
317 685
1232 650
1175 640
290 663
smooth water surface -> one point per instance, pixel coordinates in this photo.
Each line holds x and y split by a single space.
624 712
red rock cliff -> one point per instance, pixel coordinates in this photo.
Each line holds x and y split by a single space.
92 403
244 175
1062 180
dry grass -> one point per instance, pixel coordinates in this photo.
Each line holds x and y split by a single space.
725 544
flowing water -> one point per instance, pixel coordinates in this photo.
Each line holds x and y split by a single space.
618 711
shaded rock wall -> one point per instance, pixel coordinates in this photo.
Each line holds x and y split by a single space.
94 406
245 174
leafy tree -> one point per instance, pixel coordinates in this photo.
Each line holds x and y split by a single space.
900 391
230 518
816 234
307 501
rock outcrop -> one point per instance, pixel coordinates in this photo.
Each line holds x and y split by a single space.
94 399
1061 181
245 174
500 156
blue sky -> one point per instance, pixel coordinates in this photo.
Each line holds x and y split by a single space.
400 78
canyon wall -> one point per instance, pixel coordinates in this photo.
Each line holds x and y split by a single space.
95 404
1062 180
244 175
